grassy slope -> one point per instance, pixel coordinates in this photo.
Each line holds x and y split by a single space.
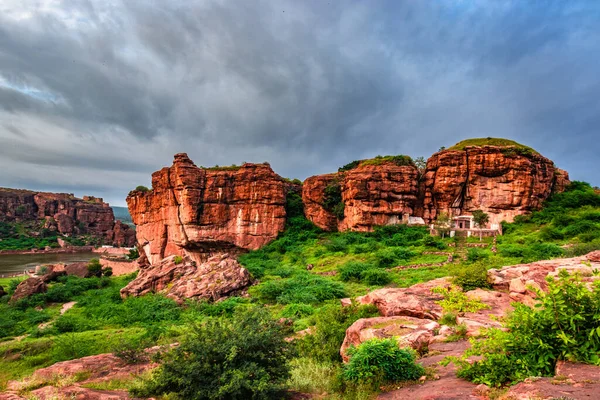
101 319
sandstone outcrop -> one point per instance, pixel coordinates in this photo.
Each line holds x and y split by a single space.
65 214
503 181
194 211
417 301
182 278
28 287
370 194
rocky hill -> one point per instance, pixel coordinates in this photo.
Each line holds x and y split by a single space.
192 210
63 214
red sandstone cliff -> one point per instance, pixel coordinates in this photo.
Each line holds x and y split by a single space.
65 214
371 195
502 181
191 211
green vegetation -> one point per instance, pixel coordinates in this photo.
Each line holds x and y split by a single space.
332 199
565 326
400 160
24 236
380 361
456 301
95 268
521 149
141 189
242 358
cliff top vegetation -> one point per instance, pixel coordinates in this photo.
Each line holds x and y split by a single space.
489 141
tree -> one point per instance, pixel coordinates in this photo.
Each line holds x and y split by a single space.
421 164
481 219
442 223
246 357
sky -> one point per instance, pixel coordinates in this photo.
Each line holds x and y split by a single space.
95 95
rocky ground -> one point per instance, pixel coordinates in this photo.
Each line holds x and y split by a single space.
410 315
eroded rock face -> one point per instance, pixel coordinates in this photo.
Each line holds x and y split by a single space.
502 181
65 214
372 195
28 287
220 276
193 211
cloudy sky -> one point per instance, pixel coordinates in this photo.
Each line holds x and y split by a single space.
96 94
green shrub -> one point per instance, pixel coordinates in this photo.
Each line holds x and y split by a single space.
369 247
456 301
177 260
94 267
134 254
131 350
297 311
380 361
242 358
301 288
336 244
141 189
330 325
475 254
431 241
353 270
73 323
564 326
470 276
389 257
376 277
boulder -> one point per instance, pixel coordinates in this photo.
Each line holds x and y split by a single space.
416 301
79 269
28 287
219 276
416 333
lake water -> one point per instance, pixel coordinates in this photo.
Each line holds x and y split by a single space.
11 263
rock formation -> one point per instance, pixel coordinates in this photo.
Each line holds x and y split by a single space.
65 214
28 287
194 211
503 181
369 194
182 278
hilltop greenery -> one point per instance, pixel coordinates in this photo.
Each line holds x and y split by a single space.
493 142
400 160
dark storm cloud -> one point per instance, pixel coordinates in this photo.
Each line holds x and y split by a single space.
94 86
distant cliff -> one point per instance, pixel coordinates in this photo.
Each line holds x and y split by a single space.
65 215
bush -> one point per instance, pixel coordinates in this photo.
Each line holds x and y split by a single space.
376 277
243 358
94 267
475 254
353 270
134 254
456 301
131 350
302 288
536 338
470 276
378 361
177 260
330 329
389 257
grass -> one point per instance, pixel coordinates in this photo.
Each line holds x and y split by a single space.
491 142
400 160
